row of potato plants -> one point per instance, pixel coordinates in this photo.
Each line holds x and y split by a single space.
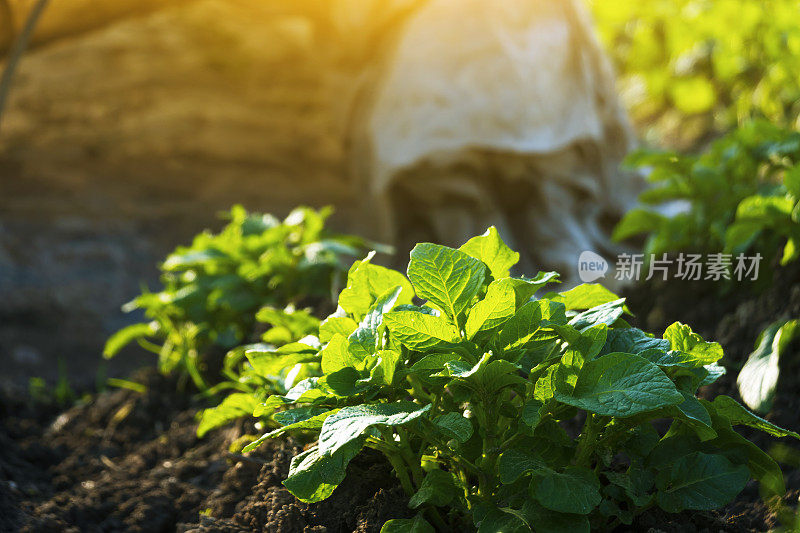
515 411
223 289
742 195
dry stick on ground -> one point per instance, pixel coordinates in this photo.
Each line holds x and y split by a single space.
20 45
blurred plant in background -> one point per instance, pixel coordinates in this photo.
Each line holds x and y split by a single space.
742 194
693 68
214 289
758 379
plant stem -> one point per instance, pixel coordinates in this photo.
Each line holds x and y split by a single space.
398 465
402 473
486 476
418 391
587 441
437 519
471 467
511 440
410 458
465 486
17 50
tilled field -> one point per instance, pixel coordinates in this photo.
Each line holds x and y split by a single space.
125 461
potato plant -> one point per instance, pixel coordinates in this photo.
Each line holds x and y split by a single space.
770 219
758 379
743 197
743 194
213 289
274 364
512 411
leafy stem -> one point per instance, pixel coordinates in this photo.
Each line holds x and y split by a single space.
398 465
588 440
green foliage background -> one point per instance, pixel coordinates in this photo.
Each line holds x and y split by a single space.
693 68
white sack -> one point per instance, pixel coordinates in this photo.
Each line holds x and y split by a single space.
525 79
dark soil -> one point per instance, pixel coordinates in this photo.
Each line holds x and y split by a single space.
132 462
125 461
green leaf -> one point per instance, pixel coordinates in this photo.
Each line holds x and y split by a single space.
366 282
384 370
503 521
741 234
791 179
337 355
344 382
642 440
314 475
791 250
302 418
525 288
683 339
515 463
305 391
363 340
713 373
693 95
298 322
547 521
622 385
336 324
350 422
419 309
586 296
126 335
636 482
693 413
486 377
606 313
531 413
438 489
191 259
700 482
633 340
492 251
270 363
299 415
673 358
576 490
420 331
758 378
519 331
361 343
738 416
545 385
636 221
432 363
762 467
408 525
454 426
233 407
446 277
582 346
764 209
498 305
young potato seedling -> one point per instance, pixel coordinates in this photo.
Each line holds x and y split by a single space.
213 289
